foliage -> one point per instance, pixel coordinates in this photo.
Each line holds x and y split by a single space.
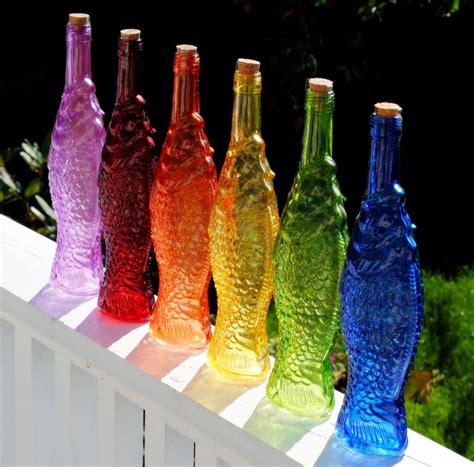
307 34
374 8
439 391
24 191
446 409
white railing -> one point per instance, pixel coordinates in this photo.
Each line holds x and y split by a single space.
78 388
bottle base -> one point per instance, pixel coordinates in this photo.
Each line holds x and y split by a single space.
126 317
126 305
89 290
316 411
198 343
237 376
362 446
180 329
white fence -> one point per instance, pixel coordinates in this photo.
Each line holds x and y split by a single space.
78 388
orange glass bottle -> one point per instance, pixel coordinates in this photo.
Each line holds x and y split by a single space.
181 202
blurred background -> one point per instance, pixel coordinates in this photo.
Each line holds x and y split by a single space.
415 53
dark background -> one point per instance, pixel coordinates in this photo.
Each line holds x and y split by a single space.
417 54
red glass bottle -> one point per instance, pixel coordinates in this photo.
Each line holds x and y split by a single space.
125 179
181 203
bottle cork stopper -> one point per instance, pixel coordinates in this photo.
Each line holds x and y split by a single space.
130 34
247 67
320 85
387 109
186 49
79 19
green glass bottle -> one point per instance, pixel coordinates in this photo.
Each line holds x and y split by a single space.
309 255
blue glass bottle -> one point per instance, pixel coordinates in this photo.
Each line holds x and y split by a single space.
381 302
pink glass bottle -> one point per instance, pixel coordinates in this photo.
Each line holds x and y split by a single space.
181 203
74 158
125 179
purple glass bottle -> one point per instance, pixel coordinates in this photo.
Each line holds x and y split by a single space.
74 158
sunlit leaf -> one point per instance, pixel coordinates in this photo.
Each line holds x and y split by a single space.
31 149
28 159
45 207
31 154
37 213
8 181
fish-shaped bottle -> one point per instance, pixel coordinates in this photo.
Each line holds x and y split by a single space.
381 302
126 176
180 205
74 158
309 255
243 227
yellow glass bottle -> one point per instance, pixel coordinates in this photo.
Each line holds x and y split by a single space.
242 230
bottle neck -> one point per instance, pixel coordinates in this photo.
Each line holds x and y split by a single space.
317 137
246 116
384 165
186 86
129 79
78 55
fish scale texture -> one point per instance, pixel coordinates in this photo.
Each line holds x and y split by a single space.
309 255
381 298
243 227
126 176
74 158
181 203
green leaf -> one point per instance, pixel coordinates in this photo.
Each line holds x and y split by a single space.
45 207
31 149
45 146
37 213
31 154
33 188
48 231
28 159
8 181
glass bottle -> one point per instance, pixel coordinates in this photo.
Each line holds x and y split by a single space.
125 179
243 227
381 302
309 255
74 157
181 202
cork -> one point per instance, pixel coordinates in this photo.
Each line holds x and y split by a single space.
387 109
320 85
247 67
130 34
186 49
79 19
